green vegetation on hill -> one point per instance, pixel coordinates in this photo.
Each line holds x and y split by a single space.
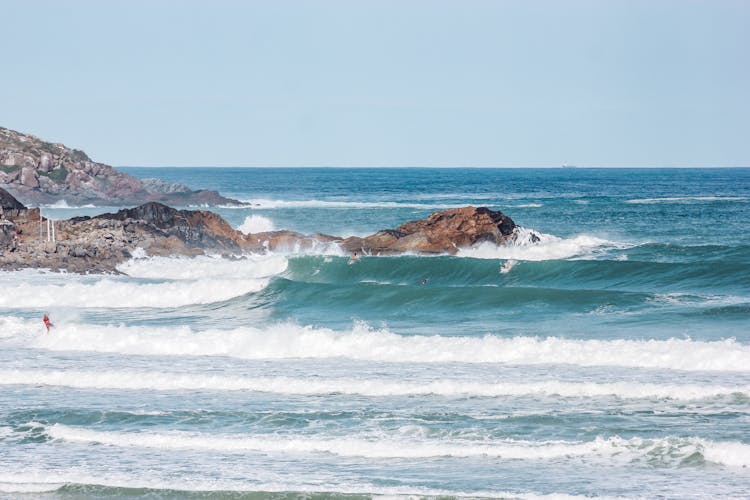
58 175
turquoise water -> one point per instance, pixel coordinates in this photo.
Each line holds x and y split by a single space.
610 360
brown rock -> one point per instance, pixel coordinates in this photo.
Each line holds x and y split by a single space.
441 232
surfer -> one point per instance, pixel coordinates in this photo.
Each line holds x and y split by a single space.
507 266
47 322
424 281
354 258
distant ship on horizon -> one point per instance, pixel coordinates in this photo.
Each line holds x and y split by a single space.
568 165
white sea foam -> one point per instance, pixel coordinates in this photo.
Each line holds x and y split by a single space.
205 267
64 204
256 224
23 487
685 199
313 247
678 298
160 381
271 204
285 340
527 244
197 280
114 292
673 449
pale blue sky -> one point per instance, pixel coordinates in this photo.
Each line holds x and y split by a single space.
382 83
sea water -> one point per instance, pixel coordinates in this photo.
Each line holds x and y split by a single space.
611 359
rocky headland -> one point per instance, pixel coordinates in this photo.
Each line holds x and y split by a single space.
100 243
38 172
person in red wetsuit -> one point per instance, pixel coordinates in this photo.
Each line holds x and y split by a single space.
47 322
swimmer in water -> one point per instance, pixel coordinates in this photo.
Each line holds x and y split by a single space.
47 322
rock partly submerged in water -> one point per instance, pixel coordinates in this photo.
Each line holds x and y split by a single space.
442 232
100 243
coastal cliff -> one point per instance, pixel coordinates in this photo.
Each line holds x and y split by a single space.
36 171
100 243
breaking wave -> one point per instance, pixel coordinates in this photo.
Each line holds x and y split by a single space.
256 224
205 267
527 244
152 282
284 340
64 204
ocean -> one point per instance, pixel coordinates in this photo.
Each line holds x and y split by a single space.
610 360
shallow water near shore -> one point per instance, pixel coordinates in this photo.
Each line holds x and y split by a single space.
611 360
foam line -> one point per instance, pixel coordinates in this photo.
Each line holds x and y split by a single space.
284 340
111 292
160 381
205 267
685 199
672 449
274 204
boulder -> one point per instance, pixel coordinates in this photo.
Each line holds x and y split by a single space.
29 178
441 232
46 163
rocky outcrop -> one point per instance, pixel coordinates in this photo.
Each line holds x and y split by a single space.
441 232
100 243
37 171
8 202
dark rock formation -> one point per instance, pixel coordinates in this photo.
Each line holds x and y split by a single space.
195 228
42 172
8 202
98 244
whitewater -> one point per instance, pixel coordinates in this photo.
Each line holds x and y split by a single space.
608 359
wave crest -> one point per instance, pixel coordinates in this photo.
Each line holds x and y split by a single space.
528 244
256 224
175 282
284 340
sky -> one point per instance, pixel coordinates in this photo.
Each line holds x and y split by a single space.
527 83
